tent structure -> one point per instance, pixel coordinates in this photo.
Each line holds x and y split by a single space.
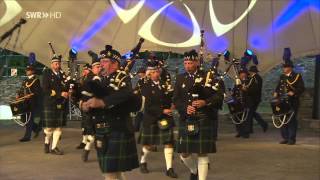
264 26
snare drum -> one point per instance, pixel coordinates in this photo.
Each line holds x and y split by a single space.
21 105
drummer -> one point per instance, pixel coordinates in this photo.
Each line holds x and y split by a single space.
31 85
290 84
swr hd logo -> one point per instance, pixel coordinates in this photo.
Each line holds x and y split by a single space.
43 15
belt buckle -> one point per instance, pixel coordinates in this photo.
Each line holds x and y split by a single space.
191 128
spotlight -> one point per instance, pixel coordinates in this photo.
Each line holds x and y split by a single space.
73 54
226 55
248 52
128 55
32 58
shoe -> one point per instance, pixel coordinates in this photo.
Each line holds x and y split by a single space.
46 148
85 155
56 151
143 168
283 142
170 172
24 139
291 142
237 135
265 128
81 145
194 176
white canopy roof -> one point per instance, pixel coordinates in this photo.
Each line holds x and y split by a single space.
265 26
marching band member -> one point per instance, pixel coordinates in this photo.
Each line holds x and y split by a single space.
157 124
254 88
290 84
194 103
31 85
142 78
241 94
55 95
86 76
87 117
115 141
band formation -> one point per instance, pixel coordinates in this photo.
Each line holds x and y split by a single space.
107 101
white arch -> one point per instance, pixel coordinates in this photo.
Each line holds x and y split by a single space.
127 15
13 8
220 28
145 30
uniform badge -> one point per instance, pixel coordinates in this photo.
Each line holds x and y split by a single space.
59 106
183 85
99 144
164 122
153 92
15 109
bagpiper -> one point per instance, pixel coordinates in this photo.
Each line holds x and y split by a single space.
86 76
157 125
194 103
55 95
87 117
115 141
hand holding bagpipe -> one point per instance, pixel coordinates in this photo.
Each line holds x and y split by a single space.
93 103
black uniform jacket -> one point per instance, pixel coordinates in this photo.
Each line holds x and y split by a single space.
254 88
157 99
294 83
184 88
53 85
31 85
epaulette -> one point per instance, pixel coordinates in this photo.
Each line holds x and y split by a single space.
295 79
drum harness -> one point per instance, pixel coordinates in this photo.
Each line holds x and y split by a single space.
284 118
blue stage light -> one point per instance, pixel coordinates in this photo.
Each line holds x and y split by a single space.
74 51
80 43
249 52
294 10
226 55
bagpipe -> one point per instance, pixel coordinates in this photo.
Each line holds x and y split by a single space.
130 58
235 98
282 110
193 121
70 83
97 89
21 107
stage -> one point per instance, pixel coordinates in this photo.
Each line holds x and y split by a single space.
259 157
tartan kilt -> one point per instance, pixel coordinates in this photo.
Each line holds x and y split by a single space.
53 117
87 124
202 143
152 135
117 151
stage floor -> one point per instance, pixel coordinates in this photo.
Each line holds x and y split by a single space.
257 158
